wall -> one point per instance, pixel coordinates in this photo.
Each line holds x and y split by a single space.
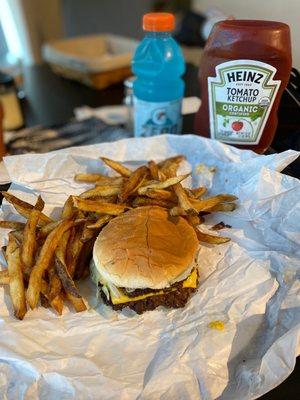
123 17
44 23
27 24
3 45
281 10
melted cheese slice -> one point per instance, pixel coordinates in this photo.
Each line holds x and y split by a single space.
189 282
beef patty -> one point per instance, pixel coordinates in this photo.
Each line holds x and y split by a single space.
175 296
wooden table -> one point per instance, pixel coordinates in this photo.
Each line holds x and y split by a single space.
50 100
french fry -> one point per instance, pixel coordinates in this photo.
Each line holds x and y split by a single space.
223 207
133 183
45 230
61 249
89 234
116 166
176 211
16 283
162 185
39 205
68 208
3 250
91 216
107 199
44 295
24 208
102 208
77 303
44 301
81 214
82 267
58 303
74 249
16 201
66 279
44 259
161 176
189 193
111 180
171 171
44 288
66 245
89 178
160 194
169 162
12 225
4 277
55 284
198 192
19 236
183 199
101 221
146 201
208 203
194 219
212 239
29 241
107 190
219 226
154 171
68 211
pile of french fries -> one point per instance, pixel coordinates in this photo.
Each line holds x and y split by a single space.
45 257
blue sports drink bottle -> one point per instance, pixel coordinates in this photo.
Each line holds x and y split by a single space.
158 65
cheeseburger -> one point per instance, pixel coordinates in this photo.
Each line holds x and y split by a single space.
144 259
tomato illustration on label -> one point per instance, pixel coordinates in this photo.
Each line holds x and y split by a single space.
237 126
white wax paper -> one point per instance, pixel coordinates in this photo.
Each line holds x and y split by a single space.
250 283
4 178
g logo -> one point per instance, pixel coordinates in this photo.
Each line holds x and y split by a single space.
159 116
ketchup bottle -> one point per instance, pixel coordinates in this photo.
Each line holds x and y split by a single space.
245 68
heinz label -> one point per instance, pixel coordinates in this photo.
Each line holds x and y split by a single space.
241 97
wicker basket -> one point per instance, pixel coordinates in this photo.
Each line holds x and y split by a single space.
97 61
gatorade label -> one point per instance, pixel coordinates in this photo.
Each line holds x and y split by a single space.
152 119
241 97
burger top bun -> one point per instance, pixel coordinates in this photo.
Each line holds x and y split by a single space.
145 248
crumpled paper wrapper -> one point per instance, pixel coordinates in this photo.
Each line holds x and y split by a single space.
4 178
250 284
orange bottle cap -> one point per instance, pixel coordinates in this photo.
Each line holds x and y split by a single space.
158 22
